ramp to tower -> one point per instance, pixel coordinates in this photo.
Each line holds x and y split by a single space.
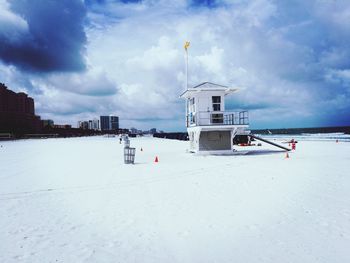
269 142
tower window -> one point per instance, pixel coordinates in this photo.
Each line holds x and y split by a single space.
216 100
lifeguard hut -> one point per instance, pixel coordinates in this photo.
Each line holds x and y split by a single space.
211 129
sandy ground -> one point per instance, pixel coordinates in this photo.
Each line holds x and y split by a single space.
73 200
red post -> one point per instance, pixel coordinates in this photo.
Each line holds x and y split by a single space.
293 146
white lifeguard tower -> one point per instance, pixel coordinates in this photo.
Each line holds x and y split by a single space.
210 128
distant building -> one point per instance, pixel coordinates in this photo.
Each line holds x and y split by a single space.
135 131
95 124
109 123
47 123
104 121
153 131
89 125
83 125
17 114
114 122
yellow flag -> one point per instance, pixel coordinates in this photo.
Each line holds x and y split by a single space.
187 44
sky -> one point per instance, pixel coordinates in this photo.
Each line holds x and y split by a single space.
82 59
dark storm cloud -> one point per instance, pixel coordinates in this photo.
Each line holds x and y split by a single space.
204 3
54 39
92 2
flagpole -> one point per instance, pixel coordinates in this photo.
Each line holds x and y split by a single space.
186 69
187 44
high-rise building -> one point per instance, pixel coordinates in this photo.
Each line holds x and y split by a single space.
95 124
17 113
89 125
109 123
83 125
104 121
48 123
114 122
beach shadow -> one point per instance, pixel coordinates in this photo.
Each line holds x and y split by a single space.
246 152
264 152
138 163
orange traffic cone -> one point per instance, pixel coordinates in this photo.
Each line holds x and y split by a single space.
156 160
287 155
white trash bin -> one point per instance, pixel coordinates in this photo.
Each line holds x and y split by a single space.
129 155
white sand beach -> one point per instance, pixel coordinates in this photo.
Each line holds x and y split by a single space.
74 200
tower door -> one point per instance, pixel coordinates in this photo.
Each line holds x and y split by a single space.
203 104
204 111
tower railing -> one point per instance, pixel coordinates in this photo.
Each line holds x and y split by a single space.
205 118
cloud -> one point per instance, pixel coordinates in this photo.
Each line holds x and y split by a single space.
43 36
69 106
204 3
91 83
290 59
12 25
341 78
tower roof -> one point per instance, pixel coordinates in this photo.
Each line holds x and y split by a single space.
207 86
